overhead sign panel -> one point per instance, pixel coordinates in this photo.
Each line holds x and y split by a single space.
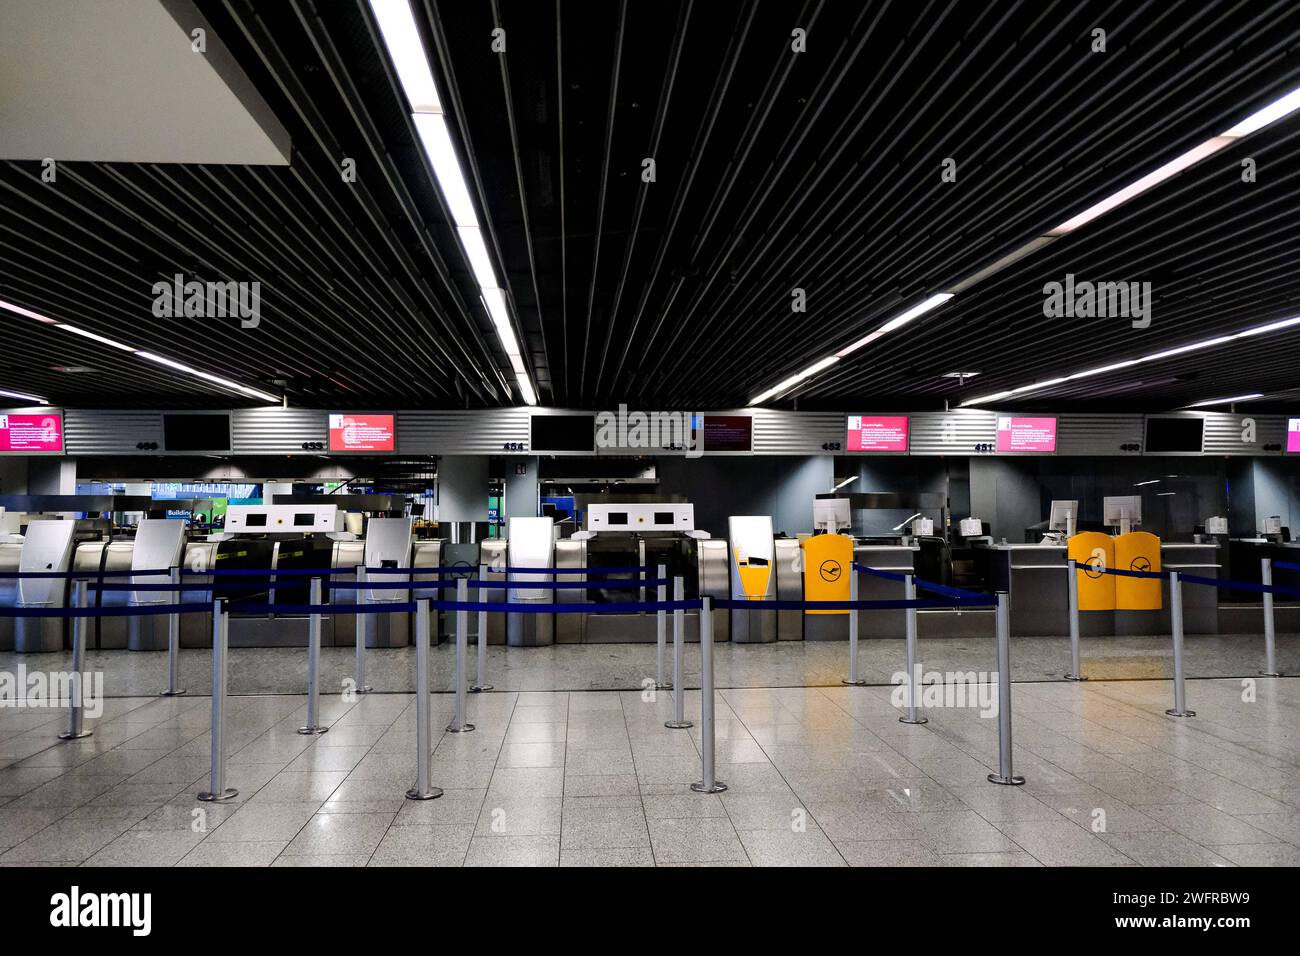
877 433
1026 434
31 434
363 433
1293 434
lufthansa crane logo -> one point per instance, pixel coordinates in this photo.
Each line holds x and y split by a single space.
1140 563
831 570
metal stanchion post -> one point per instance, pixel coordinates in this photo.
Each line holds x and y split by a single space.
313 664
853 679
458 724
1073 587
480 680
422 790
1270 633
913 678
661 632
1176 619
77 686
679 721
363 628
174 640
708 782
217 790
1005 774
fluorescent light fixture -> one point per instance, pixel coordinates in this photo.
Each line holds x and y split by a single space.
1153 357
794 380
494 300
526 389
1153 481
1226 401
1269 114
209 377
1165 494
959 374
896 322
97 338
22 396
846 481
471 237
402 37
1168 170
28 313
436 138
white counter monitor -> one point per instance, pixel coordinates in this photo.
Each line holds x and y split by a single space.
1122 508
283 519
654 516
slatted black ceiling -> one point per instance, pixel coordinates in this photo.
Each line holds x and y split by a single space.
773 170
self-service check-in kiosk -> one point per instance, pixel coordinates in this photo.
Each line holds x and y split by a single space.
388 545
158 545
47 546
530 544
636 534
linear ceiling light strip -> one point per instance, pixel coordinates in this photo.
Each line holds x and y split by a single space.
1128 363
23 397
402 39
142 353
1281 107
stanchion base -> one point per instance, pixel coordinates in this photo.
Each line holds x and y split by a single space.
461 729
678 724
433 793
1180 713
853 683
171 693
1074 677
228 794
1270 673
479 688
913 720
1012 781
313 731
363 690
664 685
718 787
68 736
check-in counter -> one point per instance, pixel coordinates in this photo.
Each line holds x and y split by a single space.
899 559
1034 577
1200 601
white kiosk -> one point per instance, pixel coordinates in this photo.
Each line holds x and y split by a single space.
530 544
753 577
46 547
388 545
159 544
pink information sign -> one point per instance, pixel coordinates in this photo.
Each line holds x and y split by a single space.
1293 434
877 433
1026 434
31 433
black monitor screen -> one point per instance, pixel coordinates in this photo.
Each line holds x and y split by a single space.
1174 434
255 521
564 433
196 432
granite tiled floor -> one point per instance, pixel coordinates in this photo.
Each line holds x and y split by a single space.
818 776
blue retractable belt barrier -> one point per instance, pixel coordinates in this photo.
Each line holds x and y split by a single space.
260 572
383 607
36 575
388 585
619 607
1286 566
1230 585
141 610
1120 572
888 575
982 600
621 585
639 570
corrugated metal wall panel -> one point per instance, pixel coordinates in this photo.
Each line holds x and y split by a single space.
780 432
1224 434
955 432
110 432
1098 434
473 432
276 431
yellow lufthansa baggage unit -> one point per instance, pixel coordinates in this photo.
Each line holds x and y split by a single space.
827 565
1138 551
1093 552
